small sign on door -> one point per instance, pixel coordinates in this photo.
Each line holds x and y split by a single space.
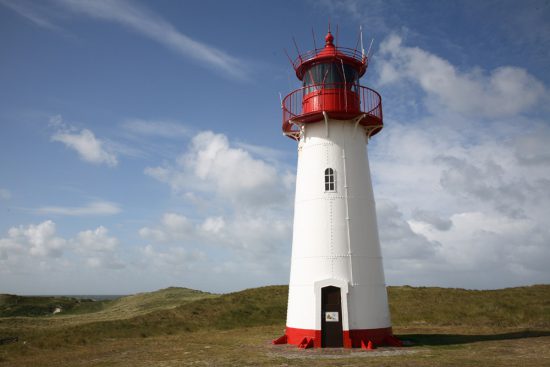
331 316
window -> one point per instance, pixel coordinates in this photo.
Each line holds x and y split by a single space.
329 180
331 75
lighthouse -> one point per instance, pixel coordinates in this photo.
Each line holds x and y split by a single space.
337 292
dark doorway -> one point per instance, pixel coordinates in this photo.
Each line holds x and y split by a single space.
331 318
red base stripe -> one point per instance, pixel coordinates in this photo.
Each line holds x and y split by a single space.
295 336
377 336
352 338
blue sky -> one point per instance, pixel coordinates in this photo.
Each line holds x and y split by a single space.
141 148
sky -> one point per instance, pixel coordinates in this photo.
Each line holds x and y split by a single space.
141 144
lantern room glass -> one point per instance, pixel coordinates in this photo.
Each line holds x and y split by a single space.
332 75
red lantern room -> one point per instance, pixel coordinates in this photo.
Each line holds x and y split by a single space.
330 77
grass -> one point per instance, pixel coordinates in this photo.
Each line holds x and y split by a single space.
12 305
178 326
510 307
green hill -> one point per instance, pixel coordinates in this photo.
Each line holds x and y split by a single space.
128 306
142 303
12 305
510 307
179 310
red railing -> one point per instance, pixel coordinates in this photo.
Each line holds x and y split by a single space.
340 101
306 56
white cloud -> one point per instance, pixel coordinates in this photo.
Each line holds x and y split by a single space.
482 205
95 240
462 190
143 21
502 92
36 240
88 147
93 208
37 248
242 203
212 165
105 262
399 240
269 154
433 219
260 236
98 248
5 194
462 205
213 225
254 235
238 244
489 243
175 258
173 228
532 148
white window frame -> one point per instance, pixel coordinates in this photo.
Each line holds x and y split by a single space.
330 179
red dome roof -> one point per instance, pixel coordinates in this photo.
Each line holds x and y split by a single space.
330 53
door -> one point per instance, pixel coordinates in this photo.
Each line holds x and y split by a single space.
331 318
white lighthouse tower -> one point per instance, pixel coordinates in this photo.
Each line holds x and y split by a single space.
337 293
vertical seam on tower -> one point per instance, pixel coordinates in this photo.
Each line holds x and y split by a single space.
330 203
346 201
330 210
